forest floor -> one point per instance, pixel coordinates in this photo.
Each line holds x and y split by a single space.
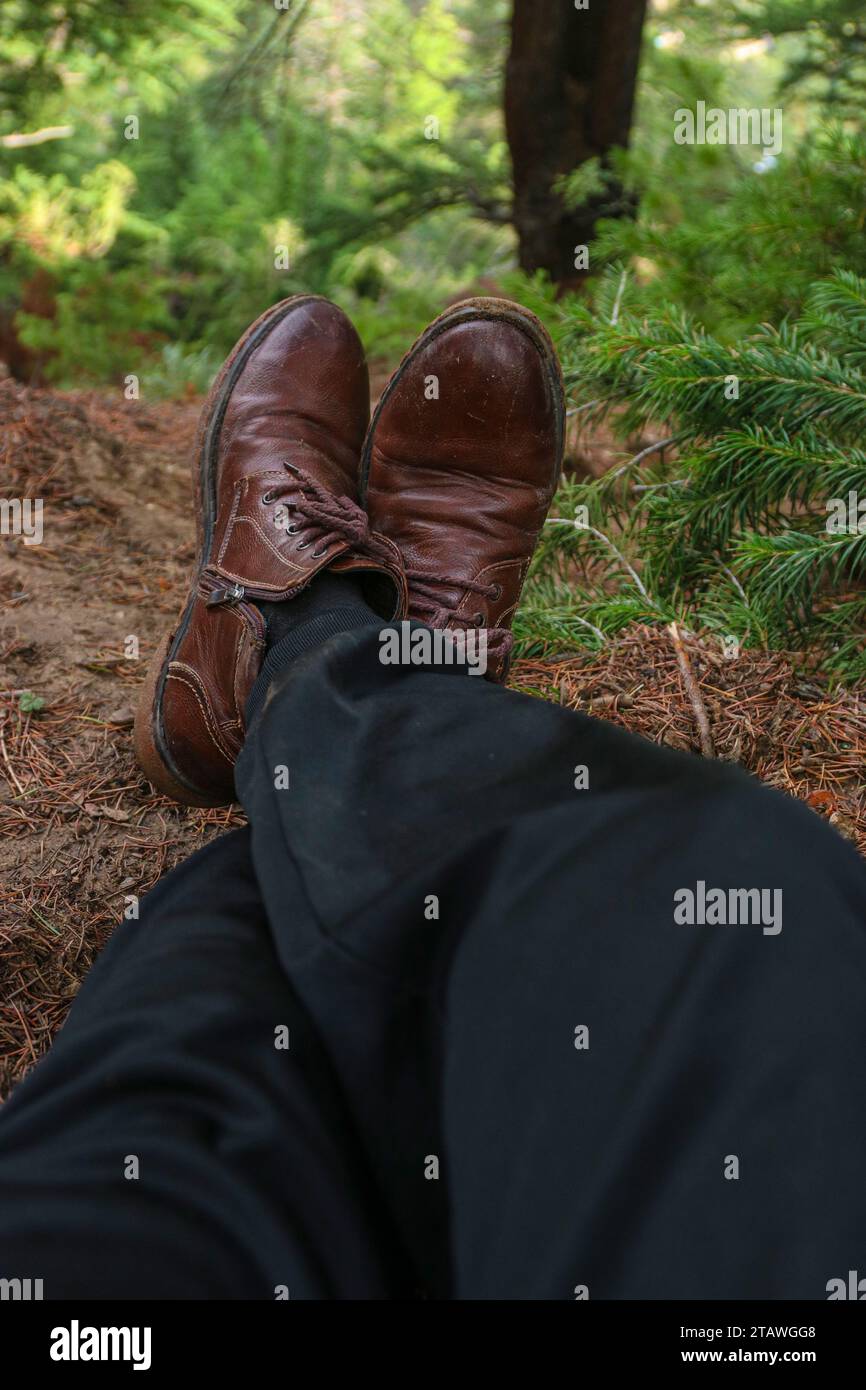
80 828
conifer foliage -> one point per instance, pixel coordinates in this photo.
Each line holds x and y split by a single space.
744 511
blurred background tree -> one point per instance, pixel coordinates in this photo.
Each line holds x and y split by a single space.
569 98
361 148
276 148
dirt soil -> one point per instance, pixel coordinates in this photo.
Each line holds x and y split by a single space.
81 830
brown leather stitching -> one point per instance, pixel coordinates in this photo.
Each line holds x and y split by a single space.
236 501
204 705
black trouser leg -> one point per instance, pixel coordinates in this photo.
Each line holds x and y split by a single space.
438 914
709 1141
171 1145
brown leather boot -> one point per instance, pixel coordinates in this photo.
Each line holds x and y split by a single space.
275 481
461 462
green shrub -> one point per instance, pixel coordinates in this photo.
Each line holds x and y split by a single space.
731 527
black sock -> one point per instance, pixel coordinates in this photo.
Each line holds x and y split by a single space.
333 603
326 593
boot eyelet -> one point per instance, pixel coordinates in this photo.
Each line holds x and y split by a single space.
478 619
318 553
293 530
496 592
268 498
302 545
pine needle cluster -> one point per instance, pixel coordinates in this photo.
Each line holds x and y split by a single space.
745 512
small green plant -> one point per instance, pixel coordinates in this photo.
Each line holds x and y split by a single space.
28 703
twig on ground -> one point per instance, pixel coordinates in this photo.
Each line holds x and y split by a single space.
693 691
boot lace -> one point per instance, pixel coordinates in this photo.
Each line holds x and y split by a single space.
428 598
321 516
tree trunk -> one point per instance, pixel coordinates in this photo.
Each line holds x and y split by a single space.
569 96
